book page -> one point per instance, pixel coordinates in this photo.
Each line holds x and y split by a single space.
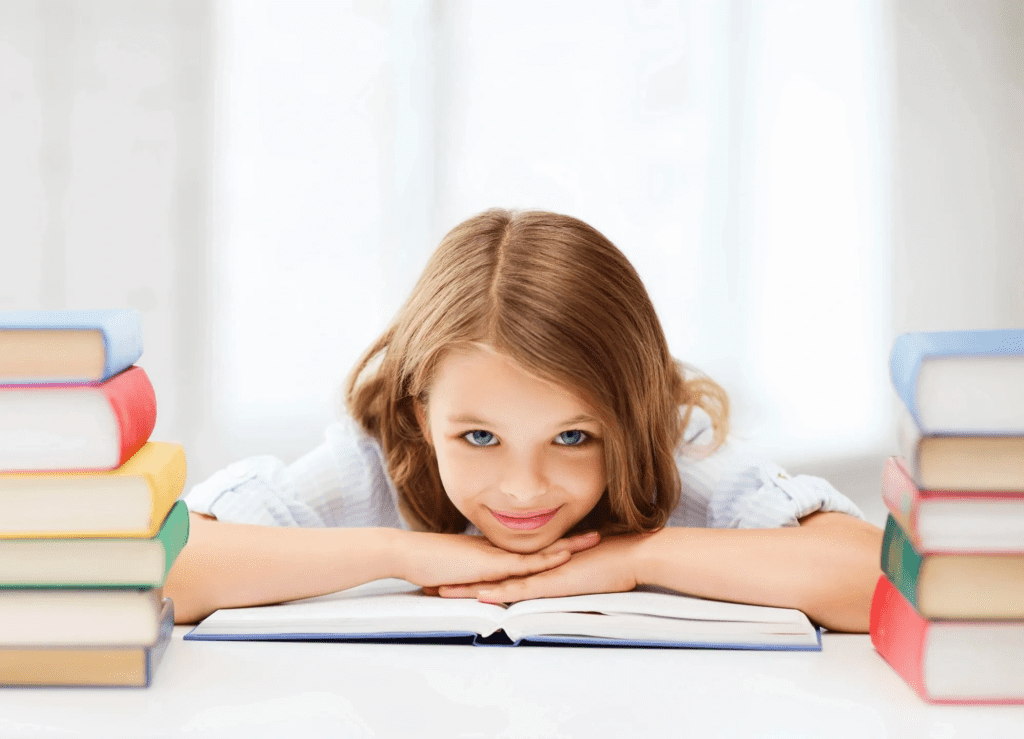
380 607
633 627
654 602
72 355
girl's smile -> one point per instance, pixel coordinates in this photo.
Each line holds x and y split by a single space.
520 457
525 520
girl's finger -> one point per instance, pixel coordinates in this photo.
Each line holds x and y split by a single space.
577 543
519 565
458 591
585 541
513 591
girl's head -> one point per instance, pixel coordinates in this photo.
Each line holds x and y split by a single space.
517 318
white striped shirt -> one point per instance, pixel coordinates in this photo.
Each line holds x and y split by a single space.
344 482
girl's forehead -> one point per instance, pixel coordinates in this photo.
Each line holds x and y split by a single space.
476 371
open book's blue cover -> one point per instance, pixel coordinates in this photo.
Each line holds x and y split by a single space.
498 639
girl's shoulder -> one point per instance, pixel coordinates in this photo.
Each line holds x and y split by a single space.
358 454
345 436
699 434
341 482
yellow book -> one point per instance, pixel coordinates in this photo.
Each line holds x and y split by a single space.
131 501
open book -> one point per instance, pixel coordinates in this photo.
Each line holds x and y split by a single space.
395 610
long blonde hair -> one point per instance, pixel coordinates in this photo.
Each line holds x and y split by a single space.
556 296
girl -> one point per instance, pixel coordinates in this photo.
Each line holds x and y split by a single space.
522 431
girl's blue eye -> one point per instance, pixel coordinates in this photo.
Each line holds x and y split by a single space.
480 438
571 438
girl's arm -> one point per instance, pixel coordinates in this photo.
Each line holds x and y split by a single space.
827 567
226 565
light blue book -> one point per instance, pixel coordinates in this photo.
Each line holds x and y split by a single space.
53 347
961 383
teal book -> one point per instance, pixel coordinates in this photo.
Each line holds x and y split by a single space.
954 585
900 561
64 562
67 347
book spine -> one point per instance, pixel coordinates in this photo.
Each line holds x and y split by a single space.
166 484
133 400
155 654
899 493
899 634
174 535
910 435
904 366
900 561
122 341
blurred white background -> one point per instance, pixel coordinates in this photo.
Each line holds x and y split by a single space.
796 181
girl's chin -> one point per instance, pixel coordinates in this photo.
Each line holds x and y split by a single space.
526 542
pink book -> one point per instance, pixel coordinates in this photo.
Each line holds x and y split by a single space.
948 661
961 521
97 426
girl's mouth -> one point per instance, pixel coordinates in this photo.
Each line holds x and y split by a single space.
524 520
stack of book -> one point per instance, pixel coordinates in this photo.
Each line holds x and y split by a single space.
90 521
948 613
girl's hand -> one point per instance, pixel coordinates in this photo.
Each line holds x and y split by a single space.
432 560
609 567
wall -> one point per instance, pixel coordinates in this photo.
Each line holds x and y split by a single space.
958 170
104 159
959 163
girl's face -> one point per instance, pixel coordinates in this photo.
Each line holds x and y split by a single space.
521 458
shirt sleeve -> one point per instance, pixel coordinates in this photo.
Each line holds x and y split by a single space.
731 488
343 482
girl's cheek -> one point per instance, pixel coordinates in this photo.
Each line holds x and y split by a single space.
586 468
466 462
461 453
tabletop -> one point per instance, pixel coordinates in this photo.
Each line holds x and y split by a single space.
273 689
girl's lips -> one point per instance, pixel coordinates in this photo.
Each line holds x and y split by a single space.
526 520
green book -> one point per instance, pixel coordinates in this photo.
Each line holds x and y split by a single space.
954 585
900 561
95 563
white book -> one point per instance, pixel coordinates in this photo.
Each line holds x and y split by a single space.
394 610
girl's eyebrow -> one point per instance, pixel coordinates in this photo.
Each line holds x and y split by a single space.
466 418
581 418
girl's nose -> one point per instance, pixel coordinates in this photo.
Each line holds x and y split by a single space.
524 480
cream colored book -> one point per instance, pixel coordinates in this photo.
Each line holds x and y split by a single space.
976 463
59 617
69 666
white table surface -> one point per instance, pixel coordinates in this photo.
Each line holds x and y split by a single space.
250 689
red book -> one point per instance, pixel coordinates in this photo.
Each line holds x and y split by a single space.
946 521
948 661
76 427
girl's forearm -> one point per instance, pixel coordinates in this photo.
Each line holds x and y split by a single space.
827 567
226 565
